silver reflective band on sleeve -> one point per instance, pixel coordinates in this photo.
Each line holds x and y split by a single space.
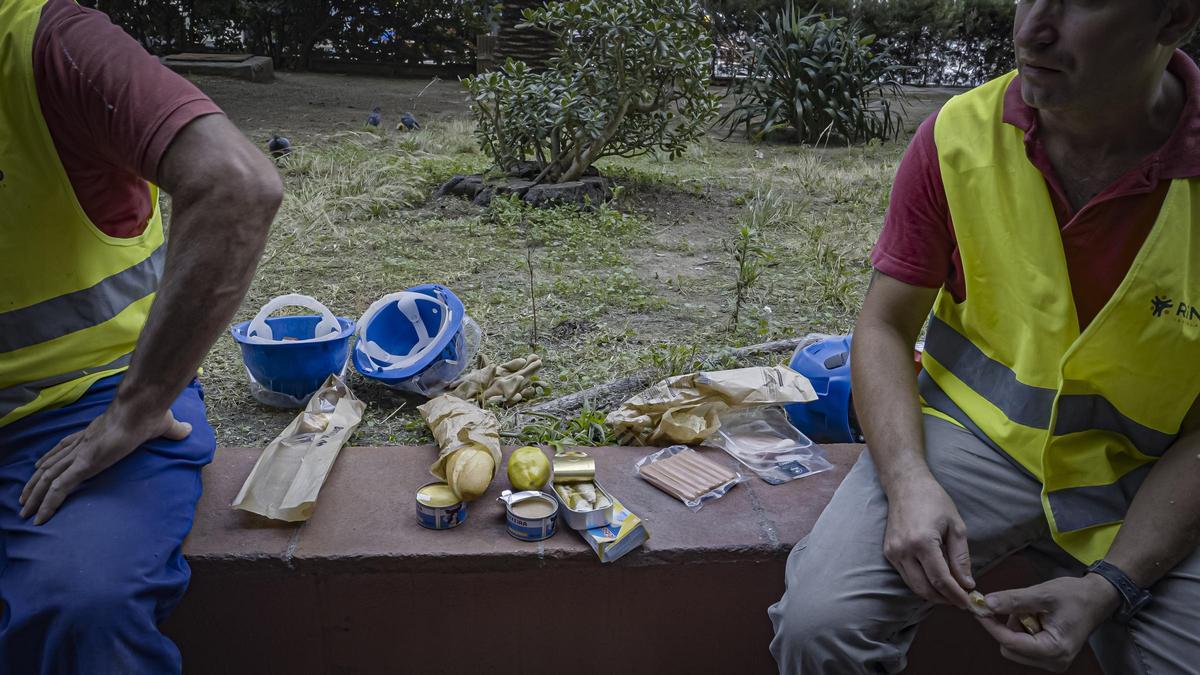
17 396
81 309
1020 402
1029 405
1081 507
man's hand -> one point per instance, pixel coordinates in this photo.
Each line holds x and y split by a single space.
1069 608
926 541
78 457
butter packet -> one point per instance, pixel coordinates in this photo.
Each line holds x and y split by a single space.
625 533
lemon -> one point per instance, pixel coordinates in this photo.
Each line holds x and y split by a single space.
528 468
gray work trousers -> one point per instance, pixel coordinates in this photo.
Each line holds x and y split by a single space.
846 610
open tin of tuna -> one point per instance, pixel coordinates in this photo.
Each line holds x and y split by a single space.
531 515
438 508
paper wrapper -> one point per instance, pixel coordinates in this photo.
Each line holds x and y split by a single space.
284 483
456 424
684 409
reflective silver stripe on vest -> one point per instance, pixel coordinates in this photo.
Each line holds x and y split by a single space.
1029 405
81 309
940 401
1073 508
1082 412
17 396
1080 507
1020 402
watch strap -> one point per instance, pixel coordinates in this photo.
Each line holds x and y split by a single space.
1133 597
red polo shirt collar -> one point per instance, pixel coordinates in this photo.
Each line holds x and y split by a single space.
1179 157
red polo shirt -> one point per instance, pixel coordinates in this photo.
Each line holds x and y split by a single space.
112 111
917 245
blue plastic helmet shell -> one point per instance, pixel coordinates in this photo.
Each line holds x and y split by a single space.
296 366
389 331
828 419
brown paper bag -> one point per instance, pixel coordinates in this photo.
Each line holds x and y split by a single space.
284 483
456 424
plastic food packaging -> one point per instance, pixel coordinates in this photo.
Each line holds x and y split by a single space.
685 408
687 475
764 441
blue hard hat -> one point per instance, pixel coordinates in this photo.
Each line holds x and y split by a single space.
413 340
290 357
829 419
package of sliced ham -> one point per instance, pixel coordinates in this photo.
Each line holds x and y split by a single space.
689 476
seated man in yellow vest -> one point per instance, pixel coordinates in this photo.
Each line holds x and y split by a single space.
101 444
1051 221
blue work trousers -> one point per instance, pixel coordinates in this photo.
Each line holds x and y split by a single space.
85 592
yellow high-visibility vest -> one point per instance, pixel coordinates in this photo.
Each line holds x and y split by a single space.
73 300
1087 413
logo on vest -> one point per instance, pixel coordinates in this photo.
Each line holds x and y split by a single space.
1181 311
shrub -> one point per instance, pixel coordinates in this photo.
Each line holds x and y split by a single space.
815 77
630 77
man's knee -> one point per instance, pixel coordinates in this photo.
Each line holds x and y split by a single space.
96 609
840 616
815 623
90 598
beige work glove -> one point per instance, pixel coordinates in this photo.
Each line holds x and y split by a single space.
503 384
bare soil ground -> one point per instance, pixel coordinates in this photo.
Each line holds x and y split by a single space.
647 282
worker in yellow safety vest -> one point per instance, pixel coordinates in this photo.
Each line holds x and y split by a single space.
104 321
1047 223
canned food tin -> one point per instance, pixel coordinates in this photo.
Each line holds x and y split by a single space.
574 466
531 515
585 520
438 508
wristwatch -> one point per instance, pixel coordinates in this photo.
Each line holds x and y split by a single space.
1133 597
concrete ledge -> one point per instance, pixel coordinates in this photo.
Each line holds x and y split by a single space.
246 67
362 588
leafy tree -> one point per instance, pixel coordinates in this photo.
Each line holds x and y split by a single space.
630 77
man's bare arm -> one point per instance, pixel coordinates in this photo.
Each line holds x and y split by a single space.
925 540
1162 526
224 196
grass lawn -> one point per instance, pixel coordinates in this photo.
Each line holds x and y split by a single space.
647 281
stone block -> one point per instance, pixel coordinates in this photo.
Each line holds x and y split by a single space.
252 68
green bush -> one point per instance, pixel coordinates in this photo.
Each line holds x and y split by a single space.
814 77
630 77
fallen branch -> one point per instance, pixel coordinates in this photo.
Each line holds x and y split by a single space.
610 395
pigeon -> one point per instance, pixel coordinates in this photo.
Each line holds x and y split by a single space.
374 118
279 146
408 122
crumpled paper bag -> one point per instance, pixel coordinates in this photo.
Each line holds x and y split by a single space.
684 409
288 475
457 424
